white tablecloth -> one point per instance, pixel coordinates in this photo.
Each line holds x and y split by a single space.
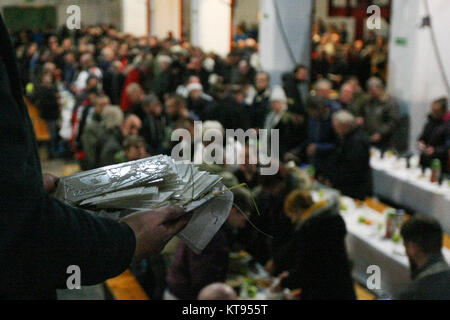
404 187
366 246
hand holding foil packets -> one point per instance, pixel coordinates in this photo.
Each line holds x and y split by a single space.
154 183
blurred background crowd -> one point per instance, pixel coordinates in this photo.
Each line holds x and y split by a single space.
107 97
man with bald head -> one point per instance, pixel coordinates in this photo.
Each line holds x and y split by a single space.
217 291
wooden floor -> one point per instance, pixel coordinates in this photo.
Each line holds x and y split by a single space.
126 287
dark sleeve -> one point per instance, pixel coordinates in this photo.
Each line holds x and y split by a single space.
101 247
297 273
392 118
39 236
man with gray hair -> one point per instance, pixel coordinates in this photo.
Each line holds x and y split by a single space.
348 169
381 115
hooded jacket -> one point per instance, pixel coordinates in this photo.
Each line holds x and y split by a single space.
316 257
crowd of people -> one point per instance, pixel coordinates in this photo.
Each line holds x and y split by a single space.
110 97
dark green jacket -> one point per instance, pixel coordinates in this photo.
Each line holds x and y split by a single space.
41 237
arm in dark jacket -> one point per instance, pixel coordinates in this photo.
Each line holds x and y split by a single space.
41 237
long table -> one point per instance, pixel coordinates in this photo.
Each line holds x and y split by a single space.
367 247
406 188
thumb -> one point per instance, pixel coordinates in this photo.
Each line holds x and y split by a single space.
171 213
180 224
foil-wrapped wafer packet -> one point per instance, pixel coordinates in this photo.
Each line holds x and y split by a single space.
149 184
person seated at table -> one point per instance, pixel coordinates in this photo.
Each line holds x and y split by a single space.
217 291
430 272
432 141
316 259
190 272
349 165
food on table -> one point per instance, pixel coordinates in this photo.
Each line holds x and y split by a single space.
396 238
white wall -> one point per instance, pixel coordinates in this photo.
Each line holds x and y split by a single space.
274 51
211 25
246 11
92 11
414 75
134 17
165 17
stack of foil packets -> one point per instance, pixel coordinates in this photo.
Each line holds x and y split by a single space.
153 183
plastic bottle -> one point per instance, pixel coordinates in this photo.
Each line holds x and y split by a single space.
436 171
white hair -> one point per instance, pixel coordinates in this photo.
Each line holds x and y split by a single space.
112 116
323 84
344 117
376 82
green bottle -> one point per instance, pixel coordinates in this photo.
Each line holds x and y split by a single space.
436 170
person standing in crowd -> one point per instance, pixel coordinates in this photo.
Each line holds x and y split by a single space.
381 115
291 126
95 134
196 101
259 109
345 98
432 142
136 76
430 273
348 167
315 260
230 110
154 125
47 102
113 82
134 148
359 61
88 69
321 137
296 87
176 110
114 137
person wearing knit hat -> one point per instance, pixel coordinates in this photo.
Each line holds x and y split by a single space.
278 102
279 118
194 86
278 94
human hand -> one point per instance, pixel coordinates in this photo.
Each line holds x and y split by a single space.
421 145
429 151
311 150
270 266
375 137
276 286
153 229
50 182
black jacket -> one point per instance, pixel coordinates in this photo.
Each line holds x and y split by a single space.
435 133
41 237
294 95
47 102
230 114
316 259
431 282
348 168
